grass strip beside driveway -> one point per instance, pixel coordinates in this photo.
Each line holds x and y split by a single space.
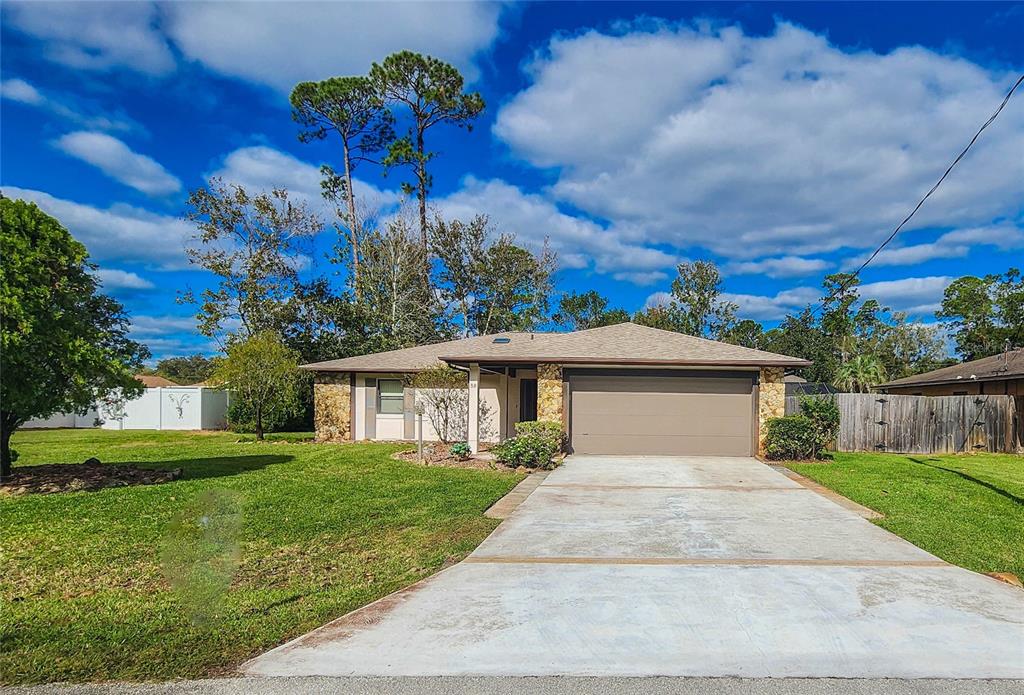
322 529
966 509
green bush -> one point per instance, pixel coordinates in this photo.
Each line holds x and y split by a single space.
460 449
824 413
791 437
533 446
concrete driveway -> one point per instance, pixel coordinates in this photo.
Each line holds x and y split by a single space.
642 566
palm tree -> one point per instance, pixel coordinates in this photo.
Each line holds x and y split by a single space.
860 373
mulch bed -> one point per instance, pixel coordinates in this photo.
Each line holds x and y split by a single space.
78 477
438 454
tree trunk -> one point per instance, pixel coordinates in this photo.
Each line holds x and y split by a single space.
8 423
421 176
259 424
352 222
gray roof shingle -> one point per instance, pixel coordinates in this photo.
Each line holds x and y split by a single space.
623 343
1008 366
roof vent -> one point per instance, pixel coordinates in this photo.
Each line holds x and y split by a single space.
502 340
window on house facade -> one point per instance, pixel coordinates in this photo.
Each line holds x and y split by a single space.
390 397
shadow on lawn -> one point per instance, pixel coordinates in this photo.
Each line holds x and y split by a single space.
998 490
214 466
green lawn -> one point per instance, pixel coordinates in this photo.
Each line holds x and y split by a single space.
315 530
966 509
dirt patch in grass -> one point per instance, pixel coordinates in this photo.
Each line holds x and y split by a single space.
439 454
81 477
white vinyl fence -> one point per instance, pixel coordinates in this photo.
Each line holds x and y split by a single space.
162 408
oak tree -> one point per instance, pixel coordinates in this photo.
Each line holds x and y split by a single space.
63 345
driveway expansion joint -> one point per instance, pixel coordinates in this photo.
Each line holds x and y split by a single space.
697 561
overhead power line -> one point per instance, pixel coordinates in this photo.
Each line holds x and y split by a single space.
927 195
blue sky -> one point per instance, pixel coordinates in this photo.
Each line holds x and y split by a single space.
783 141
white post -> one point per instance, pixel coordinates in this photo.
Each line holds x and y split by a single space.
473 437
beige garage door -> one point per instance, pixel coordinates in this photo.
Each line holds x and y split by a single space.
666 415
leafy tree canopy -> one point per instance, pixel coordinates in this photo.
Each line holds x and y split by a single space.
432 92
63 345
695 306
192 369
578 311
984 314
254 245
493 286
263 376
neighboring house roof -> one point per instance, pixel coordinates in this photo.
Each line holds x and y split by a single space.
794 379
623 343
151 381
1009 365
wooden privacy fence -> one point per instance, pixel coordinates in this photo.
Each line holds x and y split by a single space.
922 424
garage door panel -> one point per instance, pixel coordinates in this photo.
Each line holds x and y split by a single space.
699 445
654 404
661 415
659 425
654 384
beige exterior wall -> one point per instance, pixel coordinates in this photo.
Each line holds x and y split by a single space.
550 393
332 406
771 400
391 427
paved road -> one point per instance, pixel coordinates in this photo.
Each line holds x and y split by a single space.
538 686
619 566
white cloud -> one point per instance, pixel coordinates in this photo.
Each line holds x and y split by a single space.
762 308
955 244
113 279
532 219
784 267
74 109
657 299
282 43
144 326
916 296
757 146
272 43
119 162
95 35
120 232
20 90
262 168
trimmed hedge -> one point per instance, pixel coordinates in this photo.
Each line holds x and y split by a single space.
790 437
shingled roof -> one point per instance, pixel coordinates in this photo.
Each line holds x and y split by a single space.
623 343
1009 365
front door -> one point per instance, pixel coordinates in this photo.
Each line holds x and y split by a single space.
527 400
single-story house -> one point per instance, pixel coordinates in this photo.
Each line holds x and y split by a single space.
622 389
1001 374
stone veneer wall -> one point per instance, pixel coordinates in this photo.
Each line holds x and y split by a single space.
771 400
549 392
332 406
